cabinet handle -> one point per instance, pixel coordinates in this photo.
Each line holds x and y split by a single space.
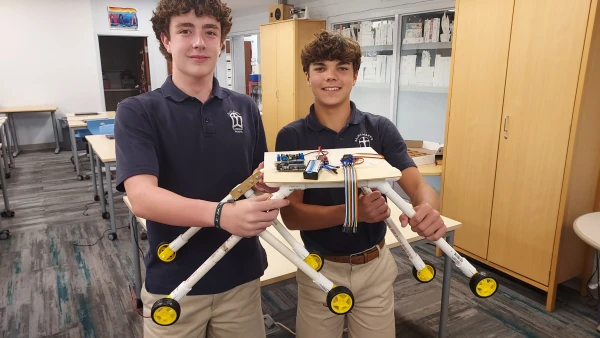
277 93
505 129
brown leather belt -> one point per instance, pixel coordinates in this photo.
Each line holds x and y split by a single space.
358 258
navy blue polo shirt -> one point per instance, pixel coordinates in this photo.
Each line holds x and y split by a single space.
197 150
361 130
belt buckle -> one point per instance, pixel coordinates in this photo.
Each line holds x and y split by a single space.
363 253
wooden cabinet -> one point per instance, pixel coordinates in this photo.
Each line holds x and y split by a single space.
522 156
286 96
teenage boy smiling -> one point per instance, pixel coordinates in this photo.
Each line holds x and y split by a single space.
331 64
180 150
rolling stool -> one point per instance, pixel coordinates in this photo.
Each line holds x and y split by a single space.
587 227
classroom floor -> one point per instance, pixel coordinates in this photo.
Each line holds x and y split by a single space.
51 288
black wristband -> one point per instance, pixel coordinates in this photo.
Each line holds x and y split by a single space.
218 214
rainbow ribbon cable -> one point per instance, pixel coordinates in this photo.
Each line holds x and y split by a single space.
351 190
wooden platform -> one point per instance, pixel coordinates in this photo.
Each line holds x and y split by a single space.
371 169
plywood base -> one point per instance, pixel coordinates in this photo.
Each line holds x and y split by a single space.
370 169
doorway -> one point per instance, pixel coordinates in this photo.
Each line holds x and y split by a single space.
245 66
125 68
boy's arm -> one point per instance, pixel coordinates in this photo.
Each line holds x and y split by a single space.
301 216
138 172
417 189
427 221
372 208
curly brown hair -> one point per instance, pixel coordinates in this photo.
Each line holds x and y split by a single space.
329 46
166 9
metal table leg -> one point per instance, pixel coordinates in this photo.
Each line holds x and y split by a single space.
111 204
446 288
5 152
74 154
105 214
7 131
93 167
55 127
13 130
137 271
7 212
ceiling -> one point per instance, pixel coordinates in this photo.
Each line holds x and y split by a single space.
241 5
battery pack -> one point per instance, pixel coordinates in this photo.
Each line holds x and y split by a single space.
312 170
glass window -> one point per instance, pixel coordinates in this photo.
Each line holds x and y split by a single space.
424 75
372 92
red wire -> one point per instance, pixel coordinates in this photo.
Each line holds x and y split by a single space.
134 304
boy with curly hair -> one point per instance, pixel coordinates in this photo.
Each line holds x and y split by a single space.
359 260
180 150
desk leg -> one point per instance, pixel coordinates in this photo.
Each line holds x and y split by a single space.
5 152
13 131
101 189
446 288
7 212
55 127
111 203
8 144
74 153
137 271
93 167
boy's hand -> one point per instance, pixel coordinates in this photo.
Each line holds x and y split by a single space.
426 222
372 207
250 217
261 186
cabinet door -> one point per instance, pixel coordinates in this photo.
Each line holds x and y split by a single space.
475 112
543 68
268 56
286 91
305 34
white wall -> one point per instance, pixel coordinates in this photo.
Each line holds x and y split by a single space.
46 62
158 64
48 57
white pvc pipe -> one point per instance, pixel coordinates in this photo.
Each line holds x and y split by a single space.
300 250
296 246
318 278
414 258
189 283
461 263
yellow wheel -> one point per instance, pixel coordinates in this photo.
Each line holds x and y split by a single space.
426 275
165 253
340 300
483 285
315 261
165 311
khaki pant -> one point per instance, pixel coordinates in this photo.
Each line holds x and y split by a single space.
235 313
373 312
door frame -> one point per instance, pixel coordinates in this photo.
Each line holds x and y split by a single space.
99 62
242 35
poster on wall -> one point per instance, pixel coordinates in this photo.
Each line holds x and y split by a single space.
122 18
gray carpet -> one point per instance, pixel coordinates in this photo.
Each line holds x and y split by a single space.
51 288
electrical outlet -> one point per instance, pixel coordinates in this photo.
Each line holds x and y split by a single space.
270 326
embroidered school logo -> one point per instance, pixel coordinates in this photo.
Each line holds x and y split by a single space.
237 123
363 140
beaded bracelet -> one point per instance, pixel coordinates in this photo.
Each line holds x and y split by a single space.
218 214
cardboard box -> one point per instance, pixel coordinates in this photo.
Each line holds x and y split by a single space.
424 152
